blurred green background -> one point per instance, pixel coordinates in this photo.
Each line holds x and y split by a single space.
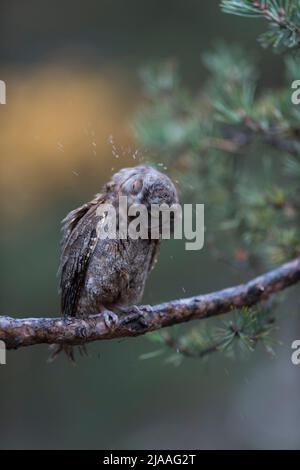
72 82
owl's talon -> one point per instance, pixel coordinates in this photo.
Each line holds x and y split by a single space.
111 319
148 308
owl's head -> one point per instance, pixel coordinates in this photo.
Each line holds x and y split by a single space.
143 184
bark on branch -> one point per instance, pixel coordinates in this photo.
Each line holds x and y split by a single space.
139 320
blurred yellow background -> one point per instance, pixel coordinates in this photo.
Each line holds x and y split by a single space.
56 131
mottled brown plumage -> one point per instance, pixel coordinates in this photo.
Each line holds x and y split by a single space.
107 274
96 273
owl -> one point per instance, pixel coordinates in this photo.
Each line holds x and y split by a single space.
107 274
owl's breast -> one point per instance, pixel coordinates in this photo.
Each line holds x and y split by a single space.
116 274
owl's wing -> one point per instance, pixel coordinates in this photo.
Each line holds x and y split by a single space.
78 243
71 220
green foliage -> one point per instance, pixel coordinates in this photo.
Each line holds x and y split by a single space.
283 17
235 149
238 336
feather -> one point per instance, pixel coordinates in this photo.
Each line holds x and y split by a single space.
78 243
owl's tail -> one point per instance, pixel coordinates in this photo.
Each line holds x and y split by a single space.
56 349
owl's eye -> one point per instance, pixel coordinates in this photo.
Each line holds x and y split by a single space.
136 186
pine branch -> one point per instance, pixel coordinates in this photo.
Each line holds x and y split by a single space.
136 321
241 136
172 343
283 18
242 333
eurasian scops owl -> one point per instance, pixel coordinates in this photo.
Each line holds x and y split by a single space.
98 274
